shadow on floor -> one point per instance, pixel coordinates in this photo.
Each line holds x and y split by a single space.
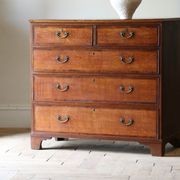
107 146
93 145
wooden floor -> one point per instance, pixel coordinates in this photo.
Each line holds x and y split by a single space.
83 160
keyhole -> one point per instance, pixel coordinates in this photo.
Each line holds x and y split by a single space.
93 109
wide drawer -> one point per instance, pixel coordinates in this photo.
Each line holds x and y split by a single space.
66 36
125 61
127 36
124 122
95 89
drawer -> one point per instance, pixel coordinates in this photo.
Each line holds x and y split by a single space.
123 61
127 36
94 89
66 36
104 121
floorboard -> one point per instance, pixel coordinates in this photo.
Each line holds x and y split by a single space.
82 160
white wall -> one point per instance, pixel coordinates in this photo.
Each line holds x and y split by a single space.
14 43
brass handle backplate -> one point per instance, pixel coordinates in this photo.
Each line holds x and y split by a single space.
62 34
129 90
126 34
63 119
62 88
128 60
62 60
130 122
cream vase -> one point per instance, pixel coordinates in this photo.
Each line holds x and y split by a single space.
125 8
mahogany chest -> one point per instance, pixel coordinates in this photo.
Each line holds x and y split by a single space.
106 79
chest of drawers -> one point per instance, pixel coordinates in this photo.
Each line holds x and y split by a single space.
106 79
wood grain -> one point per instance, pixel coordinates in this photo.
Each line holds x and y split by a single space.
89 74
95 89
96 121
100 61
143 35
77 35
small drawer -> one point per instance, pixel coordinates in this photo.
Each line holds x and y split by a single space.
122 61
102 121
66 36
112 89
127 36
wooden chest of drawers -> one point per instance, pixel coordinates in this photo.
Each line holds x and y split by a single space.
106 79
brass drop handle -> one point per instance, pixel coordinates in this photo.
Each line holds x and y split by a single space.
63 119
62 88
130 122
126 34
128 60
62 60
62 34
129 90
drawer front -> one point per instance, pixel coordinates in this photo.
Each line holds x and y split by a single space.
66 36
125 61
95 89
127 36
140 123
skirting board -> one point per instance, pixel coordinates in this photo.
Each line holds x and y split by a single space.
15 116
13 130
